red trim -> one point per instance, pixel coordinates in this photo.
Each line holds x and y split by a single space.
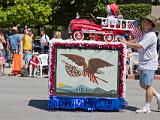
86 45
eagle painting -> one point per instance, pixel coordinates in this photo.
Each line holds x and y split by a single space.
89 70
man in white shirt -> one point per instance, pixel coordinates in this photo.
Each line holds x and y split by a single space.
148 61
44 41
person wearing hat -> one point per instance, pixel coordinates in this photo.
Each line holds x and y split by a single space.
148 61
14 40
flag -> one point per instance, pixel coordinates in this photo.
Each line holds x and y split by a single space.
72 70
136 30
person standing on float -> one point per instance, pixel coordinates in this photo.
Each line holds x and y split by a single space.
112 10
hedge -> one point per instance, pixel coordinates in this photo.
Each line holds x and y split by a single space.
135 11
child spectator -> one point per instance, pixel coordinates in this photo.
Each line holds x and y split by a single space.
33 66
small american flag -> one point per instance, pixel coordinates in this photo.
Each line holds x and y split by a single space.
136 30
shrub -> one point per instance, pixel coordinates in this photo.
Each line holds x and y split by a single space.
135 11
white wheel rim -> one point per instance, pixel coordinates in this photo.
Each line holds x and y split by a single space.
78 35
108 38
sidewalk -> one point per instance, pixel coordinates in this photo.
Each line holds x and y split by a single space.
8 72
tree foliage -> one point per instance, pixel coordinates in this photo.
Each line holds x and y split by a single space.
135 11
56 14
27 12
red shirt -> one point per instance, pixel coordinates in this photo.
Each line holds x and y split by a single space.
34 62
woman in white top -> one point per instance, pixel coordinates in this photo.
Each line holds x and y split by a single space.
57 36
2 41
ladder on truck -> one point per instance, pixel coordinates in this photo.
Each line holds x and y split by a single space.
116 24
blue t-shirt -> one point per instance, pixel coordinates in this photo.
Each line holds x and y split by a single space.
13 40
148 57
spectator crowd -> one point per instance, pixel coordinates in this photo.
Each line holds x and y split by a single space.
26 47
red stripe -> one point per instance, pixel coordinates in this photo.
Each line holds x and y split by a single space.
136 32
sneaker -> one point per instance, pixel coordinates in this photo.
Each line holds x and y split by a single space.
144 109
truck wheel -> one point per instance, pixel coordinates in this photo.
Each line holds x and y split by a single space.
109 38
78 35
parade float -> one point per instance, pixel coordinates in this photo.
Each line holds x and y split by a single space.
89 76
87 72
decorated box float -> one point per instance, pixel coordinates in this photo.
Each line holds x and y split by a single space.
87 76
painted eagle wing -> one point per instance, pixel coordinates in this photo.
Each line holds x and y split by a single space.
79 60
95 63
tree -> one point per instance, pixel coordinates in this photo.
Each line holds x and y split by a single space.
54 14
35 13
5 3
29 12
3 17
66 10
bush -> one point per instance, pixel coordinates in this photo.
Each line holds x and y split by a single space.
37 37
135 11
117 1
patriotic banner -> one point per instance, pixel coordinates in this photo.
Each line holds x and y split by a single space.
88 72
87 76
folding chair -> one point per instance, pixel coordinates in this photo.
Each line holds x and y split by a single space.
133 61
43 58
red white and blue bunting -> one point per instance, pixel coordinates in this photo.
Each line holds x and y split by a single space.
87 103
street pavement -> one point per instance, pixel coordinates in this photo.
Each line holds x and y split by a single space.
27 99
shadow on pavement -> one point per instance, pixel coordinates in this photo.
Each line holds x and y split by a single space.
40 104
43 105
131 108
155 110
